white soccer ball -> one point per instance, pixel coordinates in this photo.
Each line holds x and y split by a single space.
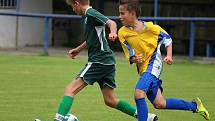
70 117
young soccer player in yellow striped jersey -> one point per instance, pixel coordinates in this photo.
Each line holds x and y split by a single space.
141 42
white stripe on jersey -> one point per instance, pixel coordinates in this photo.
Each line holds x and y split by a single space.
167 42
158 62
86 69
100 33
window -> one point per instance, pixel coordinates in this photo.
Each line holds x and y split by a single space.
7 4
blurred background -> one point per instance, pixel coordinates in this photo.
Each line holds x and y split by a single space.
33 85
191 38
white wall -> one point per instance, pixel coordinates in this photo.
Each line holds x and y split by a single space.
30 30
7 30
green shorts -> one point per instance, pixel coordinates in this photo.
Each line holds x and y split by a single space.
95 72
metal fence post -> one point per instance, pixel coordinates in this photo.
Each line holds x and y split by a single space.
192 40
209 49
17 24
46 36
155 10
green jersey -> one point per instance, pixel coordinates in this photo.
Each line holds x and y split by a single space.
94 32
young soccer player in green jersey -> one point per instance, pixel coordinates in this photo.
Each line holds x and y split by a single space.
141 42
101 63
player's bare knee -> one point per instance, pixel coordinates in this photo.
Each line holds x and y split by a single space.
111 103
139 94
69 91
159 105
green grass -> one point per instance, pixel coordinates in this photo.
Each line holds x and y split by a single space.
31 87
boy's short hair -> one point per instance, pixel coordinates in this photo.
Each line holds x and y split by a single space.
81 1
132 5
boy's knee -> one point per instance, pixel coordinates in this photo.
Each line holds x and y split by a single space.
69 91
139 94
159 105
111 103
74 87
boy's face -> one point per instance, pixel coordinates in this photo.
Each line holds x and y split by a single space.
126 17
76 7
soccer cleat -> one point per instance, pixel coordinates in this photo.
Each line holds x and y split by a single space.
201 109
37 120
152 117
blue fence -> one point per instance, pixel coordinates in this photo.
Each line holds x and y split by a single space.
47 17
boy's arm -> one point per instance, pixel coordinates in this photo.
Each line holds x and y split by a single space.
82 46
168 59
129 51
113 30
105 21
74 52
167 41
132 57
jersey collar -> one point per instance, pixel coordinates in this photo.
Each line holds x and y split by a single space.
87 10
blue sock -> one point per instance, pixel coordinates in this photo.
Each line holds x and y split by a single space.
142 109
179 104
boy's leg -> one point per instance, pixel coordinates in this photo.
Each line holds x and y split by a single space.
70 91
63 108
178 104
172 103
142 89
107 85
196 106
111 100
142 108
127 108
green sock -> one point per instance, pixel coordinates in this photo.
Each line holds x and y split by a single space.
64 107
125 107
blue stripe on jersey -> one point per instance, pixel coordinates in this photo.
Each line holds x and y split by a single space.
131 51
166 39
151 62
160 38
162 35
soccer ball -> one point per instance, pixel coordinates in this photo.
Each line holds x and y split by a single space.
70 117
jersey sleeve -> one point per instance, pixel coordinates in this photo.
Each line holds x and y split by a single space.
163 35
128 51
98 16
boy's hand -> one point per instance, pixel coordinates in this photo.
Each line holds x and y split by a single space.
168 60
112 36
138 59
73 53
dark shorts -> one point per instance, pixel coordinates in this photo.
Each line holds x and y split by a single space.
149 84
95 72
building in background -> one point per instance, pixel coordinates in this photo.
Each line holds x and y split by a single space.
23 31
179 30
68 32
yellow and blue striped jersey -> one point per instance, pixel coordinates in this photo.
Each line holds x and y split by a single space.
147 42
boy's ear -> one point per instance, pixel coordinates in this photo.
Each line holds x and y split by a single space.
133 13
76 2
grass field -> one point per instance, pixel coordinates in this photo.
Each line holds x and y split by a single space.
31 87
